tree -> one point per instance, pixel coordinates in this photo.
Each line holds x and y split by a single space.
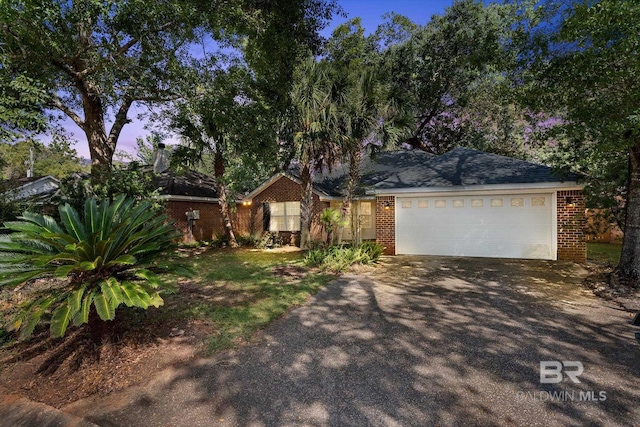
313 120
225 118
21 100
57 158
581 61
367 117
95 59
439 68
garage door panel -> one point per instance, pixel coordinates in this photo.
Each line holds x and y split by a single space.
517 229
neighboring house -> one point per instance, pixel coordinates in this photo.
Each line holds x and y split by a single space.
36 189
462 203
192 202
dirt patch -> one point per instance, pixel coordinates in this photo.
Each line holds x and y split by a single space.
603 283
60 371
292 271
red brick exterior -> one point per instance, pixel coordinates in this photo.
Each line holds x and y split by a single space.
386 223
571 224
284 189
210 223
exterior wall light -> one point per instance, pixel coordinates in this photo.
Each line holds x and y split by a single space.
387 206
570 203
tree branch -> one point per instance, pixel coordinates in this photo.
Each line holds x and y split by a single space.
120 120
57 103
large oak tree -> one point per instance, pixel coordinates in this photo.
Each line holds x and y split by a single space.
95 58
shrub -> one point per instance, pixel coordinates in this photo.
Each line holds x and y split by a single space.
340 258
248 240
270 239
103 259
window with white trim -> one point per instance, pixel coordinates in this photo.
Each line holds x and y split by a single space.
284 216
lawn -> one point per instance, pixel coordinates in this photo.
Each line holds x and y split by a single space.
232 294
238 292
604 253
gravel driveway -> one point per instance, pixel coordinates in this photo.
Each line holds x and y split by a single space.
418 341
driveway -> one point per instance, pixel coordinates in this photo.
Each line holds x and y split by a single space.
418 341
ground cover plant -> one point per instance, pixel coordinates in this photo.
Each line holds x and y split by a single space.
339 258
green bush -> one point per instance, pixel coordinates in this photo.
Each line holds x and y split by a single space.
101 260
340 258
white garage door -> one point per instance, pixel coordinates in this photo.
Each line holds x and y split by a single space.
509 226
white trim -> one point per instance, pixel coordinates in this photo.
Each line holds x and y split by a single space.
171 197
473 189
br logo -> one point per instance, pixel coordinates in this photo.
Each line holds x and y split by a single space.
553 371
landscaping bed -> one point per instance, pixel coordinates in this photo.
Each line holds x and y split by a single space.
231 296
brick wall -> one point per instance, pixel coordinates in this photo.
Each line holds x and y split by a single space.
386 223
284 190
210 223
571 223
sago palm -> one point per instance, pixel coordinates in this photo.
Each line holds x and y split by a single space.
90 263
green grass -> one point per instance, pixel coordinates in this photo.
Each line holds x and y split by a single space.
241 294
604 253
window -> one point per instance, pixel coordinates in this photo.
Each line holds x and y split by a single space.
477 203
423 203
365 215
496 203
458 203
406 205
441 204
517 202
537 201
285 216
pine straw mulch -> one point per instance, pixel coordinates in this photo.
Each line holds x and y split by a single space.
61 371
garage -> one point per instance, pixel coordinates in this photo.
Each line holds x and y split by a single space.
497 225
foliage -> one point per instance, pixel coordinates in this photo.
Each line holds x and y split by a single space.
315 132
57 158
579 60
94 60
21 101
270 239
132 180
331 219
105 256
441 68
340 258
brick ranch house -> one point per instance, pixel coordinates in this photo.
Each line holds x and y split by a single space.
462 203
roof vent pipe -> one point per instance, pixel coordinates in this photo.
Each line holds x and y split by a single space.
160 159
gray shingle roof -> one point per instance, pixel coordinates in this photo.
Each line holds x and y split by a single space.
416 169
191 183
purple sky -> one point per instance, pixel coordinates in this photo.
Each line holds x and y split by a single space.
371 11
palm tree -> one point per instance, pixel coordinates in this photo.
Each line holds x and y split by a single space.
314 124
369 119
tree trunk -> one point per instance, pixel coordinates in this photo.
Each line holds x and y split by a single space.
629 265
100 147
306 206
355 158
100 331
222 197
